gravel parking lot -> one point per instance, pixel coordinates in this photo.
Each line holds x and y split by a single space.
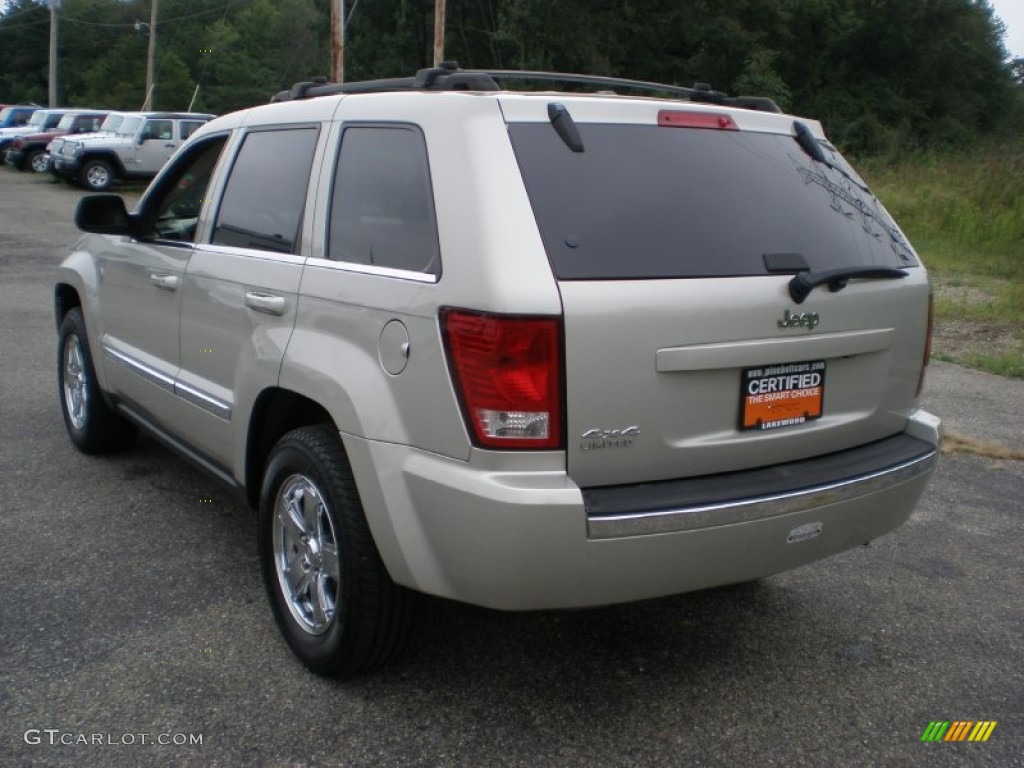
133 622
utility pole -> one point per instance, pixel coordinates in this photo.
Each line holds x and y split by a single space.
438 32
150 58
337 41
54 5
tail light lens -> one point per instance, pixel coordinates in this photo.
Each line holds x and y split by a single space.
927 343
677 118
508 375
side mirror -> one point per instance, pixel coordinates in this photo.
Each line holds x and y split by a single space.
104 215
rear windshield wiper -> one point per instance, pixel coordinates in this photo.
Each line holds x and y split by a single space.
802 284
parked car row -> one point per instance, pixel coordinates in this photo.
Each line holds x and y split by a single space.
93 148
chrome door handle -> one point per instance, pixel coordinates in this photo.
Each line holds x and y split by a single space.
268 303
164 282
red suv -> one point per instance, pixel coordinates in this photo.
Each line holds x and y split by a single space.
29 151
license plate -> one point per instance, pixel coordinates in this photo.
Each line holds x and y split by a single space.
784 395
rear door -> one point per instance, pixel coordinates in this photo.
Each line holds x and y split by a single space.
674 235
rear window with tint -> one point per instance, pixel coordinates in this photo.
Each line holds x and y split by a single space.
653 202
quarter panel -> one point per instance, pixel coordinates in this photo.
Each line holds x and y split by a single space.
335 358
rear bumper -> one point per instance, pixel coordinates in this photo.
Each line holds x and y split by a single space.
520 540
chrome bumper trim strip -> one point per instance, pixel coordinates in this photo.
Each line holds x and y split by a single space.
748 510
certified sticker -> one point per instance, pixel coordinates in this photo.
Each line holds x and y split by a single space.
782 395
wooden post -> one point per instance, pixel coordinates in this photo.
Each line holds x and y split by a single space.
54 4
338 41
150 58
438 32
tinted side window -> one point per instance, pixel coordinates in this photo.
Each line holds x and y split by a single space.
158 129
188 128
87 124
177 204
263 201
382 210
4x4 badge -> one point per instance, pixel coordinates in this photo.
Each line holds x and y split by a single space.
806 320
598 439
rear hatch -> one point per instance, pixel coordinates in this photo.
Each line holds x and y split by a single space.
675 232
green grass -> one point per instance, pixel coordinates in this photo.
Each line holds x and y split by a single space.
964 213
1004 364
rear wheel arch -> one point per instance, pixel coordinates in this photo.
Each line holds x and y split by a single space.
275 412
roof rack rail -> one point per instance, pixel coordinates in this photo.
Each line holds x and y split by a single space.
449 77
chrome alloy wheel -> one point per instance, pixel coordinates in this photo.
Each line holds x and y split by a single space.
40 163
76 393
306 554
98 177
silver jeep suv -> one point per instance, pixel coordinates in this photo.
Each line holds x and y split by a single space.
526 350
137 149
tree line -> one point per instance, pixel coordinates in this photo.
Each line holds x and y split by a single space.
882 75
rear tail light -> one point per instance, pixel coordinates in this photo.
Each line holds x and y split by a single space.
927 343
508 375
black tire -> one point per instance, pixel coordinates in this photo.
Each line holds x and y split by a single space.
364 619
35 161
97 175
93 426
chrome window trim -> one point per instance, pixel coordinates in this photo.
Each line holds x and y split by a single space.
367 269
761 508
250 253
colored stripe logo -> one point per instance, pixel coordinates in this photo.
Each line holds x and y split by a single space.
958 730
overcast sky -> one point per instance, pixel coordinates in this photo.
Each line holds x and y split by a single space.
1012 14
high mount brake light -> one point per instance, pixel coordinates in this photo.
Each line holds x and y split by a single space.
677 118
508 374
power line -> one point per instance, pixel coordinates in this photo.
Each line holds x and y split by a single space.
198 14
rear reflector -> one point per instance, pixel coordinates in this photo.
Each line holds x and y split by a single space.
674 118
508 374
927 343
